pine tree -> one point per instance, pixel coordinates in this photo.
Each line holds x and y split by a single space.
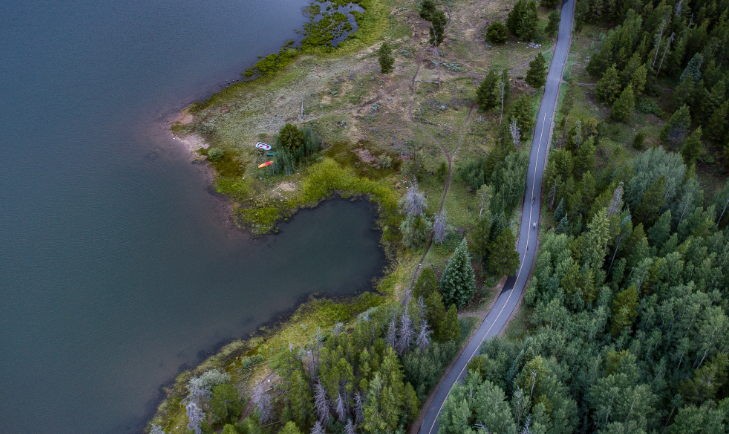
437 30
718 125
647 210
563 226
415 232
427 9
427 282
515 16
626 75
674 132
451 330
481 237
623 107
291 137
638 79
559 212
536 76
684 94
289 428
488 94
529 25
585 160
504 259
624 309
638 141
599 63
693 69
387 62
659 233
435 312
553 25
496 32
608 87
692 147
523 112
712 101
522 21
675 61
458 283
712 74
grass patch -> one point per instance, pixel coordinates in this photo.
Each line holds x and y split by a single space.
520 324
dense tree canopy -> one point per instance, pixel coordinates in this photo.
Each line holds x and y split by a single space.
629 331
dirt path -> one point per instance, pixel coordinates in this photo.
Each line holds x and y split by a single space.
449 157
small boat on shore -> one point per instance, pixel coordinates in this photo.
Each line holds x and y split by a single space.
264 146
267 163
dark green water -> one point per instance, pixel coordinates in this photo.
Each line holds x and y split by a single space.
117 265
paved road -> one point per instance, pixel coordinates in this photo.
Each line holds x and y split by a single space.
504 306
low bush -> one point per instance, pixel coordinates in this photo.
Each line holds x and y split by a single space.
215 154
648 106
496 32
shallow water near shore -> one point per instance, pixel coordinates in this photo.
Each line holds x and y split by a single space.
118 265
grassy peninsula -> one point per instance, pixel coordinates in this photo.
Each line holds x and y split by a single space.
440 144
416 133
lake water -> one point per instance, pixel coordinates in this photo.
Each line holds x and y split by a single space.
117 265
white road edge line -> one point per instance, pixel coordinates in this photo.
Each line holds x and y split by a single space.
526 250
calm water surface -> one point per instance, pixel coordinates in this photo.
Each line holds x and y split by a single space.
117 266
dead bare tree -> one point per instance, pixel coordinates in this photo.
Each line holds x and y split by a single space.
195 416
515 133
341 408
320 402
423 340
668 44
358 412
616 204
349 428
658 41
413 203
406 333
318 429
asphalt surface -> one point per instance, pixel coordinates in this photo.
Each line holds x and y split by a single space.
506 303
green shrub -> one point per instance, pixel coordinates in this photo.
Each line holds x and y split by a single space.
424 369
385 161
496 32
452 240
260 220
473 173
648 106
216 154
638 141
293 146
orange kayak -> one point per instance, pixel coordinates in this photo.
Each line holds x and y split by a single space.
267 163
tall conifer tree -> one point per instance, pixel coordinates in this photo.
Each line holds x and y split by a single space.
458 283
608 88
692 147
504 259
624 105
536 76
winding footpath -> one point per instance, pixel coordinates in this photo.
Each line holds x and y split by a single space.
506 303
